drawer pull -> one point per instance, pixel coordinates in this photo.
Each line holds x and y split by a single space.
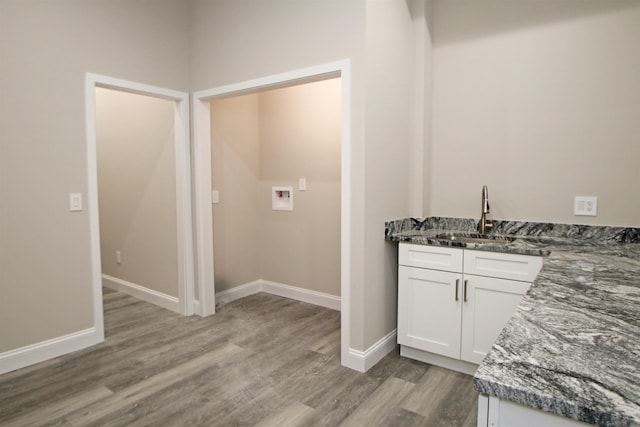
464 291
457 284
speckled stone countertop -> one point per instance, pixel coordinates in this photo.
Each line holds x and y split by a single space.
572 346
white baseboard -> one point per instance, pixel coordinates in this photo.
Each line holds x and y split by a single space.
45 350
238 292
154 297
362 361
305 295
279 289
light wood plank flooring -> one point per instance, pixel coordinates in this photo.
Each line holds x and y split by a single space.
262 360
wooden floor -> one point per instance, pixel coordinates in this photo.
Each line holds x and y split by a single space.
262 360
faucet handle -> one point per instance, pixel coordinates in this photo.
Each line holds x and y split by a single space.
485 224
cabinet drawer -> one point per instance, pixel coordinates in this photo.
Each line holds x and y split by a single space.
433 257
504 266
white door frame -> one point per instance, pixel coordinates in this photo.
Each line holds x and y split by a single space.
202 177
183 187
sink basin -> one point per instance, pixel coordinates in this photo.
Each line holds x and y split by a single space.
475 238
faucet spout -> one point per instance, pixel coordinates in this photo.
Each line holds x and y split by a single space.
485 223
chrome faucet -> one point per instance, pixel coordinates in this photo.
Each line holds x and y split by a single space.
485 223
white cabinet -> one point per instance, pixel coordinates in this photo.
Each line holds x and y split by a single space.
453 303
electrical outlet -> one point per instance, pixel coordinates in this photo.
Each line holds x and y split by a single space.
585 206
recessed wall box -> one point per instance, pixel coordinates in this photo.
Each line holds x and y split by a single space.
282 198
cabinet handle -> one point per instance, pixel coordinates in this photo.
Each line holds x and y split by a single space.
457 284
464 291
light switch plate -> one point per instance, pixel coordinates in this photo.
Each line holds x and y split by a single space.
215 196
585 206
75 202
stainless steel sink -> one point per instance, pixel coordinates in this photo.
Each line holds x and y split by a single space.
475 238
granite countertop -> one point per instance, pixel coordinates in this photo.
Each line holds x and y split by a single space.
572 347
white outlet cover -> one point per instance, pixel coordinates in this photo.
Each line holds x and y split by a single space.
585 206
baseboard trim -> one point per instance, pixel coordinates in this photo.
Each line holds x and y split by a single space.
279 289
238 292
362 361
305 295
49 349
149 295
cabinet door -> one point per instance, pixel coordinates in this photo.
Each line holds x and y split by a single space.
428 313
489 304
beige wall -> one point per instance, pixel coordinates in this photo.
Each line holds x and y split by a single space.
272 139
390 102
538 100
137 189
424 34
45 49
421 90
235 160
300 138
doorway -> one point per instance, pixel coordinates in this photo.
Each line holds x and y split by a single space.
283 141
203 190
126 226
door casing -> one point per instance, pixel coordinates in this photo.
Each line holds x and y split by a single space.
202 182
183 188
